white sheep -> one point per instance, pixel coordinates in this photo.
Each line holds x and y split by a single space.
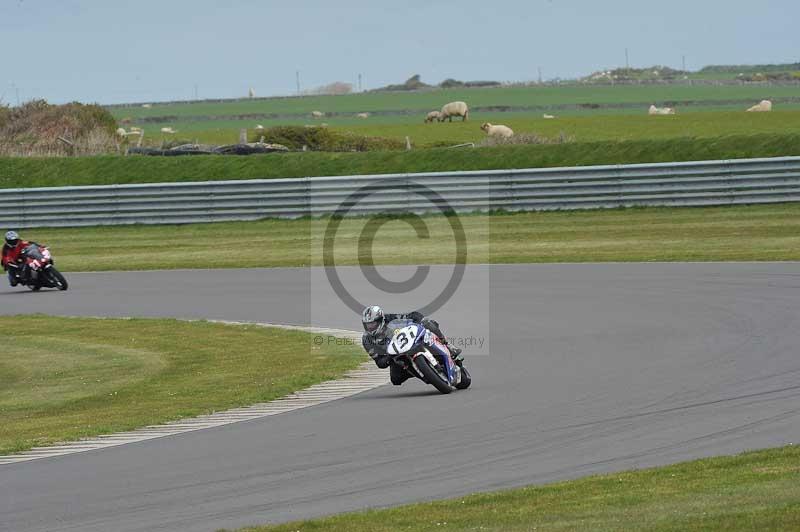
653 110
764 106
547 116
168 130
259 126
146 105
454 109
433 115
121 132
317 114
362 115
135 130
498 130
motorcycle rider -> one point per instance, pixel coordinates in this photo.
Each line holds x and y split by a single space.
12 252
376 342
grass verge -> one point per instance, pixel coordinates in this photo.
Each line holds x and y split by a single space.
17 172
738 233
752 491
62 379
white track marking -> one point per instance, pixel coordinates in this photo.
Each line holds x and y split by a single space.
366 377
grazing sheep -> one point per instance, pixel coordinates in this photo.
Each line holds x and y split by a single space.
454 109
168 130
498 130
135 129
121 132
764 106
146 105
433 115
259 126
660 110
547 116
362 115
317 114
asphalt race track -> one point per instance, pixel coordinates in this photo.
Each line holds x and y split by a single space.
586 368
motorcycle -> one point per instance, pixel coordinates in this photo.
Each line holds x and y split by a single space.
408 349
37 270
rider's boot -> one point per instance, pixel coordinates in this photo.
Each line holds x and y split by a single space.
12 279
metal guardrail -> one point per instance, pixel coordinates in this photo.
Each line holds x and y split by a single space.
666 184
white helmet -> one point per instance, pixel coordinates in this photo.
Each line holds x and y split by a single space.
374 320
12 238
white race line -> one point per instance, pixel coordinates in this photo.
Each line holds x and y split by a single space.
366 377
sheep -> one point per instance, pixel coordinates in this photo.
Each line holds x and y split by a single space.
547 116
433 115
362 115
146 106
135 129
764 106
259 126
498 130
168 130
660 110
454 109
121 132
317 114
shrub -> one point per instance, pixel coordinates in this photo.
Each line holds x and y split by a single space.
34 128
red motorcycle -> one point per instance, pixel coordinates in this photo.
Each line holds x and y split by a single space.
35 269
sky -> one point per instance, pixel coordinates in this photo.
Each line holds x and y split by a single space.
108 51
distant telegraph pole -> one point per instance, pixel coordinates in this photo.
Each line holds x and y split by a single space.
297 78
627 63
683 63
540 75
359 83
195 91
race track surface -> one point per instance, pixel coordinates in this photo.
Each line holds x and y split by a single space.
587 368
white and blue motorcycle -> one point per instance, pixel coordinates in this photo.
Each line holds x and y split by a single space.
422 354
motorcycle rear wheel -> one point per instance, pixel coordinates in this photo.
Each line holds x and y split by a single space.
433 376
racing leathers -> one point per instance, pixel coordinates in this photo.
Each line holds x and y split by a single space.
376 345
11 261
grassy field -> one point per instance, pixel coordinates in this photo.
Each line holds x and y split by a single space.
63 379
596 128
756 491
110 170
584 127
219 122
429 100
742 233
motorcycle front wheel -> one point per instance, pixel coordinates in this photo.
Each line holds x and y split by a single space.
432 375
466 379
57 280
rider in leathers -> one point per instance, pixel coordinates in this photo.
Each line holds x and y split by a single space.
11 259
375 340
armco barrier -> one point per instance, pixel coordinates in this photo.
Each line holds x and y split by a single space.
664 184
